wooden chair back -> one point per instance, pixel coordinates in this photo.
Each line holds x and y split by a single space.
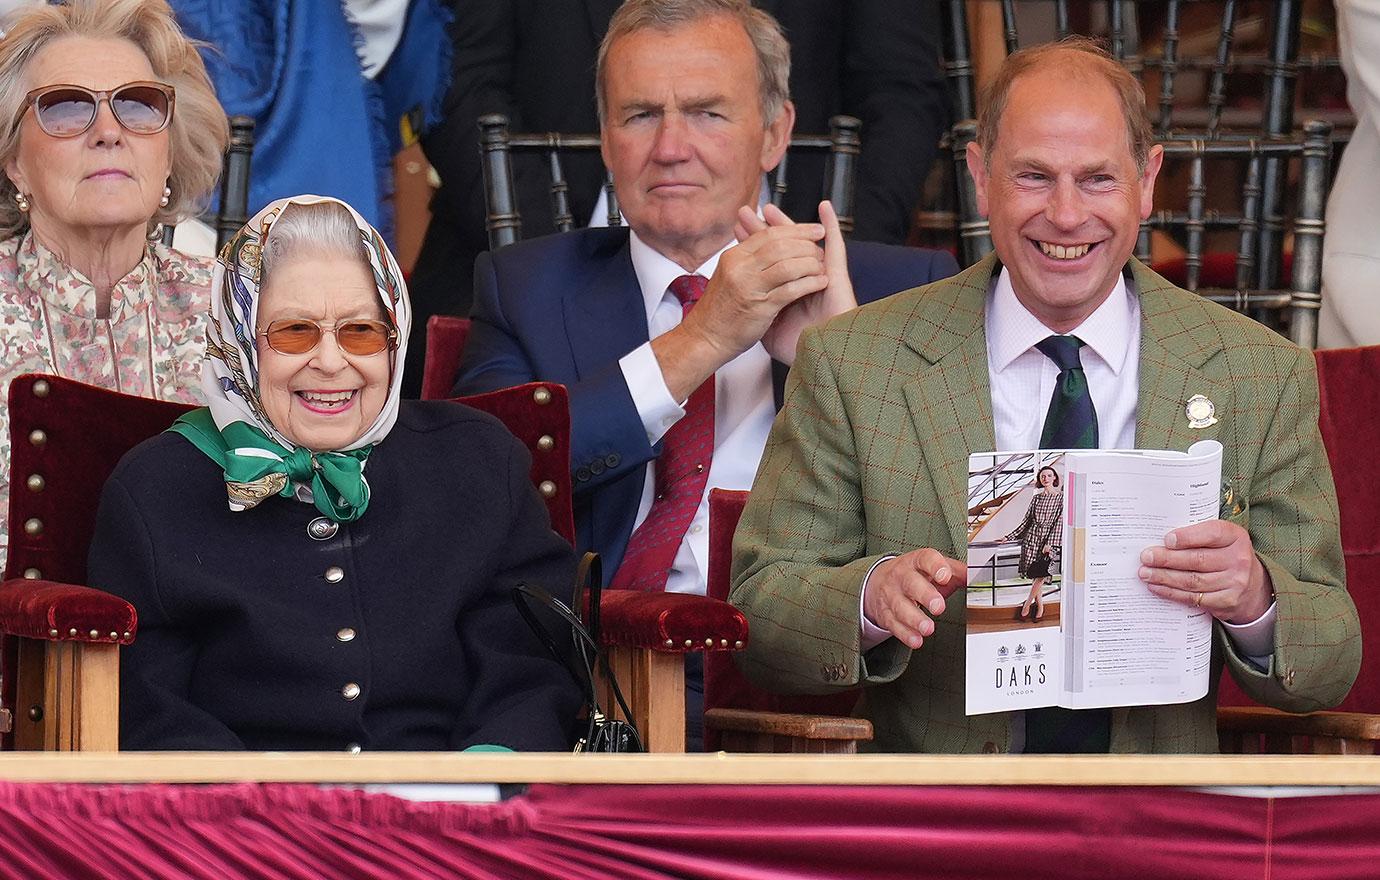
234 183
503 217
234 180
1187 45
1178 54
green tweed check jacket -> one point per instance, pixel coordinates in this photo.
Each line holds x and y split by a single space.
869 457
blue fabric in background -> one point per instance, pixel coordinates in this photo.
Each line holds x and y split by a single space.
321 126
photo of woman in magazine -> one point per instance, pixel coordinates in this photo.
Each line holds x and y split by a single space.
1015 540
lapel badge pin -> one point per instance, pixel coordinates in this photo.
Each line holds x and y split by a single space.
1200 411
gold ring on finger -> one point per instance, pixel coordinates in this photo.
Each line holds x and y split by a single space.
1198 600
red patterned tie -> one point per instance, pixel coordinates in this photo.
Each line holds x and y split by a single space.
682 471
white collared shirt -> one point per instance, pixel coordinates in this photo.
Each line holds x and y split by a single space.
744 407
1020 373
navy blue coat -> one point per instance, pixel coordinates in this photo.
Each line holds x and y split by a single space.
251 630
564 308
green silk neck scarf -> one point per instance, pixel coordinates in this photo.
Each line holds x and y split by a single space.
257 468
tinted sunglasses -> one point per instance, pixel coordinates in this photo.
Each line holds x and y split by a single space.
300 335
66 111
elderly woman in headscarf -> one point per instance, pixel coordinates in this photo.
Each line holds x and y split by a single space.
315 563
111 129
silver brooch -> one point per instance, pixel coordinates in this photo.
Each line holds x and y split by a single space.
1200 411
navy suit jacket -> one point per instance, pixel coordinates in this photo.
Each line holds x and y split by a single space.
564 308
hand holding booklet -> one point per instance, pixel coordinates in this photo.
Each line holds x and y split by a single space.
1057 612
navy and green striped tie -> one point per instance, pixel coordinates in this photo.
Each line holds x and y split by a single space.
1070 423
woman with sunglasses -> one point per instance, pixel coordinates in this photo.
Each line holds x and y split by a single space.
94 159
317 564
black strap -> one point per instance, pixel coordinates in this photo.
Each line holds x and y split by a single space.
589 578
621 735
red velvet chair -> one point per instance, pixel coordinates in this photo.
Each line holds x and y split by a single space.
1349 382
59 642
445 341
741 717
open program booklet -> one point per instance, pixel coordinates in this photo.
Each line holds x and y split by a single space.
1057 614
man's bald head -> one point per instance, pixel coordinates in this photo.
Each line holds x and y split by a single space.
1081 61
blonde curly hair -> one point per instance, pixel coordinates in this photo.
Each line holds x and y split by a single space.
198 133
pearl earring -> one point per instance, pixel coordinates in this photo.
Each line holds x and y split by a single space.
167 197
22 201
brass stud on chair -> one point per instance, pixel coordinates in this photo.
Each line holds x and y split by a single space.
72 632
542 396
52 633
125 637
41 388
689 643
547 488
32 574
95 634
114 637
709 643
738 645
35 483
38 436
33 526
670 643
723 643
546 443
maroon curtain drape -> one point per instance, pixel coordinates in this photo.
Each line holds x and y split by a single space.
749 832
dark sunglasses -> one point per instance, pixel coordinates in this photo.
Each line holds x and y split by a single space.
301 335
66 111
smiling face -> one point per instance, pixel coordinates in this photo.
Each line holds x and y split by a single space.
684 135
326 398
1048 478
1062 192
106 177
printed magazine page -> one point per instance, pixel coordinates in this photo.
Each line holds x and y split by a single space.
1057 615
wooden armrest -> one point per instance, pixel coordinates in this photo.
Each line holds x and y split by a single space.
52 611
1260 719
788 724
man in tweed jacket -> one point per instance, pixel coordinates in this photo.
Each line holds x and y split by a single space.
851 541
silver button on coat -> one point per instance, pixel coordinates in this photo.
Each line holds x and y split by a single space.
322 528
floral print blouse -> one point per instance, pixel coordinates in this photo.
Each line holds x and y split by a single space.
152 344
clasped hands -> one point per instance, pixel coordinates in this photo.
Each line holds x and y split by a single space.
780 278
1211 565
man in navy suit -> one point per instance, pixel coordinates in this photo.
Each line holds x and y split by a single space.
694 109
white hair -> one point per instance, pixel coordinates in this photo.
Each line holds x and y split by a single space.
314 228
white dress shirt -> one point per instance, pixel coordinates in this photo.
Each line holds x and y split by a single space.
744 407
1021 373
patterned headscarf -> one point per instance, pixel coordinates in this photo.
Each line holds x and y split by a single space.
234 430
